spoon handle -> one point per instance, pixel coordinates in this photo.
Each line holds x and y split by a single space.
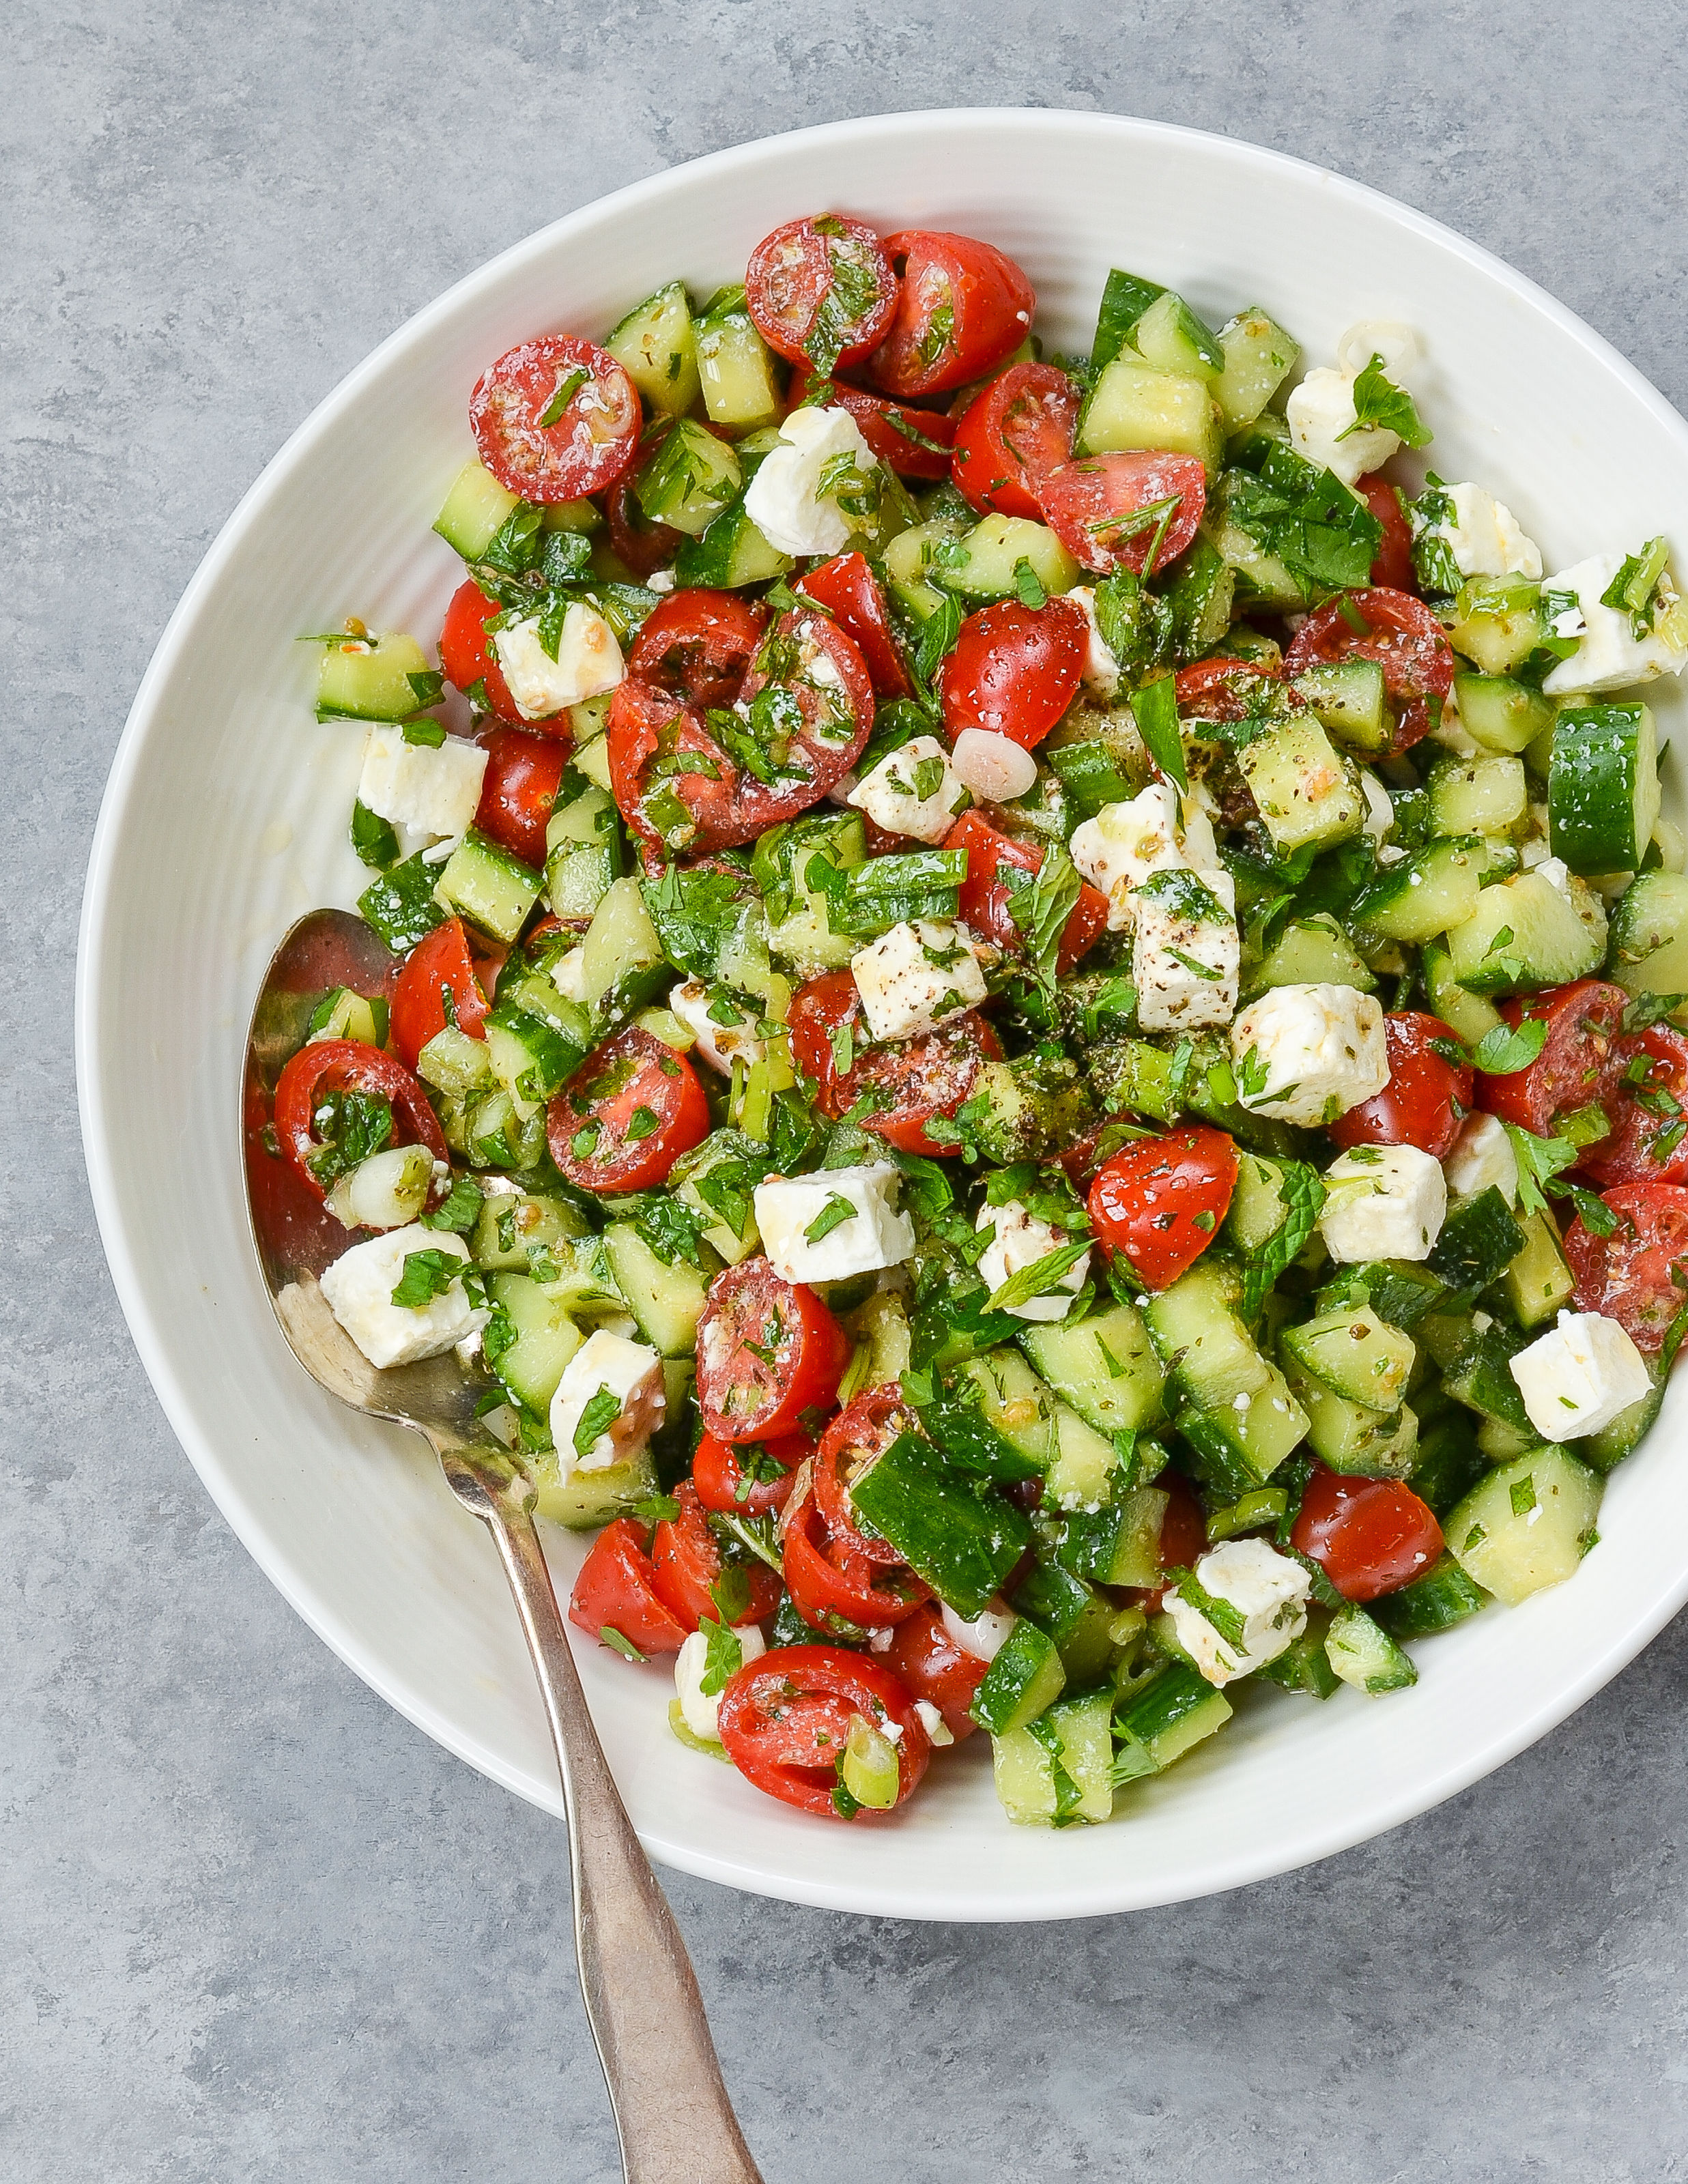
672 2113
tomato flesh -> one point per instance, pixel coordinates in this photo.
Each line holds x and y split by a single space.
348 1065
1427 1097
1109 512
699 644
465 651
851 1445
1183 1531
1577 1061
828 1584
733 1479
1159 1203
850 592
786 1718
910 1084
963 307
1627 1275
519 789
1014 670
931 1666
438 966
768 1350
1392 565
616 1590
799 304
627 1115
592 434
1011 435
1369 1536
986 899
1647 1100
914 442
1397 631
685 1561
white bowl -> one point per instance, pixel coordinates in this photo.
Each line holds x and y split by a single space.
225 819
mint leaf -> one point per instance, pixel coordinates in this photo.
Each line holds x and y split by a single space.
1155 707
597 1418
1378 401
426 1275
1502 1050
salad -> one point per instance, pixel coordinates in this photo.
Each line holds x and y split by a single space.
1036 1034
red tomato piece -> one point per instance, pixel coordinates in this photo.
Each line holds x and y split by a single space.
1108 510
1579 1063
1427 1096
1159 1203
768 1350
964 307
1218 689
1400 633
820 291
555 418
850 592
685 1560
1627 1274
931 1666
616 1590
1010 436
1014 668
523 775
1647 1101
1183 1531
643 546
986 899
851 1445
699 644
828 1584
1369 1536
911 1084
465 651
1394 564
735 1479
439 965
786 1718
348 1065
914 442
627 1115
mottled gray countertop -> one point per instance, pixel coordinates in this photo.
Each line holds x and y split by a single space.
252 1925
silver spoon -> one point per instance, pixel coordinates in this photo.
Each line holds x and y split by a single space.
672 2115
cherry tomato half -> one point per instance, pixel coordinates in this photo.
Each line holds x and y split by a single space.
1159 1203
438 966
747 1479
851 1445
768 1350
987 898
821 291
616 1590
963 307
1014 668
850 592
910 1083
699 644
1219 690
931 1666
685 1561
1011 435
1427 1097
1627 1274
1397 631
518 789
828 1584
786 1718
643 546
465 651
1369 1536
1647 1102
555 418
914 442
1109 510
1394 564
348 1065
1578 1064
627 1115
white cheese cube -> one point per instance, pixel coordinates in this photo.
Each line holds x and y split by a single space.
1577 1377
852 1212
1118 849
1266 1591
1186 960
914 790
985 1635
1483 1159
995 768
1484 538
915 976
433 788
1021 1240
1609 656
701 1710
1101 670
1307 1053
630 1373
784 499
1385 1203
567 974
1320 413
589 662
720 1044
358 1289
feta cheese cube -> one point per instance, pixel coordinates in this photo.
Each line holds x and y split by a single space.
607 1364
1307 1053
1186 957
1266 1594
913 790
995 768
1101 670
915 976
1577 1377
357 1289
1483 1159
856 1226
720 1044
589 662
1320 413
700 1709
432 788
1484 538
1021 1240
784 499
1609 656
1124 843
985 1635
567 974
1385 1203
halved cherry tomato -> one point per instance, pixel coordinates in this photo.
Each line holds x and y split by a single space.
987 901
734 1479
1647 1105
616 1590
829 1584
1159 1203
850 592
1392 565
1108 510
1219 689
1014 668
914 442
1012 435
963 307
1184 1532
851 1445
1397 631
699 644
348 1065
800 306
1427 1096
1369 1536
1627 1274
786 1718
555 418
933 1667
908 1084
465 651
768 1350
627 1115
439 965
518 789
685 1558
1579 1063
643 546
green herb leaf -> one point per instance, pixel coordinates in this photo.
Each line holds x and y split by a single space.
611 1637
642 1123
832 1215
1502 1050
1539 1160
1227 1618
1040 904
1155 707
1649 1009
1378 402
674 1231
461 1211
600 1413
347 1128
427 686
1302 1195
937 636
426 1275
723 1658
1038 1279
430 733
1028 586
568 384
373 839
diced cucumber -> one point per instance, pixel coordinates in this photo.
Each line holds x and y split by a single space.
544 1339
1304 1665
1607 1449
1214 1366
1538 1279
1502 714
688 478
1479 1241
1443 1596
1432 891
908 565
1364 1656
1399 1291
732 552
667 1302
515 1225
982 562
1602 787
1020 1405
654 345
492 889
1262 580
1355 1354
1256 1211
475 511
1478 1377
500 1133
1521 937
369 678
1104 1367
1171 336
740 379
343 1014
1527 1525
454 1063
1447 1462
727 1199
800 930
1305 790
1024 1680
1132 406
1164 1718
1648 951
624 965
532 1057
591 754
590 1499
1120 1542
1465 1013
1477 796
1075 1615
582 853
964 1542
1202 596
1351 1437
1497 622
1080 1469
1259 357
1079 1740
1311 951
577 1275
1348 697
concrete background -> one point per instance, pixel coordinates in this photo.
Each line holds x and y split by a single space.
253 1926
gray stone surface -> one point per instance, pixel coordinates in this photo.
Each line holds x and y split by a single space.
251 1924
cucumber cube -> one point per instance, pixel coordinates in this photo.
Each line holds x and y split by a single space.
1528 1525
